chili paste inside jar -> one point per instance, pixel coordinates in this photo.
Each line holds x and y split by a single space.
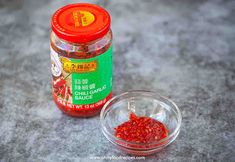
81 59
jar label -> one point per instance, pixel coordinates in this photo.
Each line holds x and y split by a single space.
82 81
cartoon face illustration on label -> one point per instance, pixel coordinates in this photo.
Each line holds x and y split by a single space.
56 67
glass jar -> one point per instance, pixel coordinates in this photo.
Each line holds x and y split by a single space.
81 59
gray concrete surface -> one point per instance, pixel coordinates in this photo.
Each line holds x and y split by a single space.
184 49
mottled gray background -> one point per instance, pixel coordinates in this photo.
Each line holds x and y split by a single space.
183 49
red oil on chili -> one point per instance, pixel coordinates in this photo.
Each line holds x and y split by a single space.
141 130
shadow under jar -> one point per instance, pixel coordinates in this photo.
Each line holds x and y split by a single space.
81 59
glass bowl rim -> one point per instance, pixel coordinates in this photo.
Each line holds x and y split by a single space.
154 95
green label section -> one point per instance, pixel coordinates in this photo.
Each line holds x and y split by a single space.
95 83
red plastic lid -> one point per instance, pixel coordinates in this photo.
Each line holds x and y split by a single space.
80 22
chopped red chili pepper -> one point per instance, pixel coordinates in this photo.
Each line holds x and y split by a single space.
60 88
141 130
59 82
133 116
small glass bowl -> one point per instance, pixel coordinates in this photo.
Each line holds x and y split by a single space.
143 103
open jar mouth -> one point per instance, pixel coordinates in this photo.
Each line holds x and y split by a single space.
137 94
